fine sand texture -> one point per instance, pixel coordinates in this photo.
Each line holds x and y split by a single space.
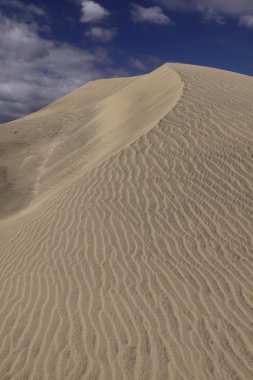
126 228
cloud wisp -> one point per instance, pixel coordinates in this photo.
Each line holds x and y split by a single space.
247 21
215 10
101 34
93 12
152 15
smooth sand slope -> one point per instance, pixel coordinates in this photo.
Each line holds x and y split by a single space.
126 220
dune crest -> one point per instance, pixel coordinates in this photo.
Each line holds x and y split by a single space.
135 259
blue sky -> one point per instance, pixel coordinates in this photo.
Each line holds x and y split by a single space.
48 48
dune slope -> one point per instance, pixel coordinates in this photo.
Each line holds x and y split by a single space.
126 231
51 147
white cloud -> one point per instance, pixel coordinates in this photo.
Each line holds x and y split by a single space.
101 34
152 15
210 15
35 71
212 9
24 8
246 21
93 12
38 11
229 7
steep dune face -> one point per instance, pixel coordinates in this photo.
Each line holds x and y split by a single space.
65 139
134 258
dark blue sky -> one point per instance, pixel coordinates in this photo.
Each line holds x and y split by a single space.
48 48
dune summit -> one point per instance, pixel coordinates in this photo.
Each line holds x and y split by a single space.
126 219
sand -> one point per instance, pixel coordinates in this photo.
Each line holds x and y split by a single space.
126 220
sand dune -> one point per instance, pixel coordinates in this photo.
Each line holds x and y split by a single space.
126 219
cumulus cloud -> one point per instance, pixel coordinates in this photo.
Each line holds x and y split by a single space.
153 15
101 34
247 21
35 71
93 12
212 9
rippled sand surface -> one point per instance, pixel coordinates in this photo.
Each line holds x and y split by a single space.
126 227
